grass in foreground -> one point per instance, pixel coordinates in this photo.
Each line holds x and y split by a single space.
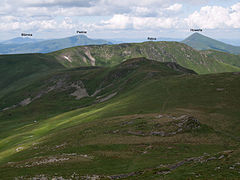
113 137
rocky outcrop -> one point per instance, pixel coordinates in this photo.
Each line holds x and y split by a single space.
80 91
172 127
88 54
59 83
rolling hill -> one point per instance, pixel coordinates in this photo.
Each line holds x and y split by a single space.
49 45
20 70
104 122
16 71
201 42
202 62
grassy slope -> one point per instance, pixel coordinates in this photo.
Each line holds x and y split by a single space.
115 79
110 55
212 99
223 57
201 42
17 71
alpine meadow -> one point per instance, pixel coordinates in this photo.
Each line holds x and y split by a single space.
95 106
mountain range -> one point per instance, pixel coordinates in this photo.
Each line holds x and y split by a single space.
29 45
21 40
45 46
139 40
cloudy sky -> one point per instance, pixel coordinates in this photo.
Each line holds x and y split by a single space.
119 18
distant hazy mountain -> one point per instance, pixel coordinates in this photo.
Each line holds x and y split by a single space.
49 45
21 40
201 42
129 40
234 42
168 39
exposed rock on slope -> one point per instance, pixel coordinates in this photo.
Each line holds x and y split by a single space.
109 55
113 80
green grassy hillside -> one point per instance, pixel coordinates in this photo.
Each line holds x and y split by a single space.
223 57
140 119
110 55
96 85
17 71
201 42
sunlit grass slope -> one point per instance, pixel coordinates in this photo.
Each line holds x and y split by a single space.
118 138
105 81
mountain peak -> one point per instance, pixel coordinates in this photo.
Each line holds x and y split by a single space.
81 36
201 42
197 35
77 37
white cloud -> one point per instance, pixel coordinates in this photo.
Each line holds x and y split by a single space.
175 7
128 3
81 7
117 22
143 11
11 23
43 15
55 3
67 23
212 17
236 7
128 22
